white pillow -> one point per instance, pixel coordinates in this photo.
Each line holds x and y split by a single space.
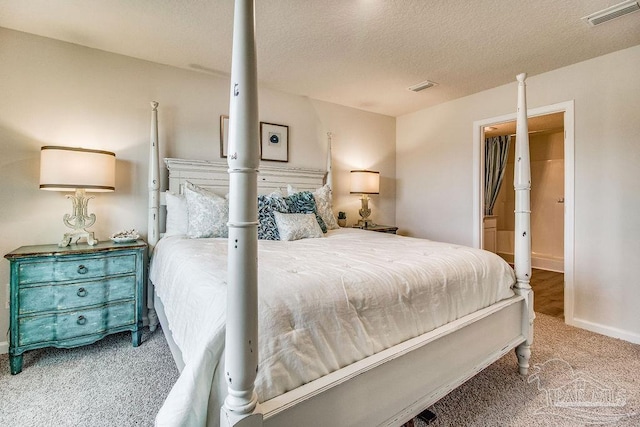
208 213
296 226
324 205
177 214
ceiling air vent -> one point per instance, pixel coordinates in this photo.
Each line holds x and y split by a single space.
612 12
422 86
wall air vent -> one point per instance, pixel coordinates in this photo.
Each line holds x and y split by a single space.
422 86
612 12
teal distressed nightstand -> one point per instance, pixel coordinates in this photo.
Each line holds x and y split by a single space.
72 296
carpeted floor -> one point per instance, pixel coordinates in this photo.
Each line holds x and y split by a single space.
589 370
110 383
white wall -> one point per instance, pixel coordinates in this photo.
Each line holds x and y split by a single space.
435 182
56 93
362 141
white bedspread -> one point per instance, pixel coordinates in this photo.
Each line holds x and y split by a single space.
324 304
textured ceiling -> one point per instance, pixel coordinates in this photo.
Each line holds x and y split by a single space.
358 53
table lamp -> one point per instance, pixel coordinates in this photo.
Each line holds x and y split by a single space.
365 182
82 170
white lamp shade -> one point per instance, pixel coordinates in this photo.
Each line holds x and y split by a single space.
65 168
365 182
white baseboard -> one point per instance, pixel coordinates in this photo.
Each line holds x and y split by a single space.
605 330
548 264
538 262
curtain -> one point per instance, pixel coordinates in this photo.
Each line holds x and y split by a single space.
495 161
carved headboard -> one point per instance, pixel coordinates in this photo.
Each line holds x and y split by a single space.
214 176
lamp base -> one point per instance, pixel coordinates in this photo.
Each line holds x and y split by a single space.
364 212
74 236
79 220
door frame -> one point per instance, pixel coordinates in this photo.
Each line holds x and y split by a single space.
569 187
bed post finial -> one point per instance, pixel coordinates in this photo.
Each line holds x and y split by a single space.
522 244
241 407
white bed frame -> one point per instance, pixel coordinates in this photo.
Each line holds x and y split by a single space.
386 389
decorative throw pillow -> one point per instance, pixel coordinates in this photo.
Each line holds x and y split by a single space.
324 204
296 226
267 227
303 202
177 214
208 213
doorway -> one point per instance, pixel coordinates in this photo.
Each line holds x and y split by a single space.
546 146
555 217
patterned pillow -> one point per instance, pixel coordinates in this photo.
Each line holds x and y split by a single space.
208 213
296 226
303 202
324 204
267 227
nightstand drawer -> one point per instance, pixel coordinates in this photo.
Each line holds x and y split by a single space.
35 299
58 270
62 326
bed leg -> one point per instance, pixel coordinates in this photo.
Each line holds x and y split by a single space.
153 319
151 310
523 351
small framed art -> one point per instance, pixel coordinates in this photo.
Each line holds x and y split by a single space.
224 136
274 142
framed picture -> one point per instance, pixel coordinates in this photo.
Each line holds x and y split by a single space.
224 136
274 142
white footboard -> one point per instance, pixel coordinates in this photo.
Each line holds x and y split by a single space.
393 386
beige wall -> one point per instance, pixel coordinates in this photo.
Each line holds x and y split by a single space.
56 93
435 177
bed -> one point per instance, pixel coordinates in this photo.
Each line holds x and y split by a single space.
351 349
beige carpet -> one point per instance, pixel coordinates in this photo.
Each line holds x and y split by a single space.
108 383
579 374
111 383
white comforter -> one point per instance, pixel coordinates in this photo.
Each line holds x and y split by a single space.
324 304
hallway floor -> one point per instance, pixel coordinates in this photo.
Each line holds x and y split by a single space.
548 292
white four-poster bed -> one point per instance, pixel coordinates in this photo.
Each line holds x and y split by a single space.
390 385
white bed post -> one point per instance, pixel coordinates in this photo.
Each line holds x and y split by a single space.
522 261
153 227
241 353
329 179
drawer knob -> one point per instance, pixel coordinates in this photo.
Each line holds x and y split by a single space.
81 320
82 292
82 269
